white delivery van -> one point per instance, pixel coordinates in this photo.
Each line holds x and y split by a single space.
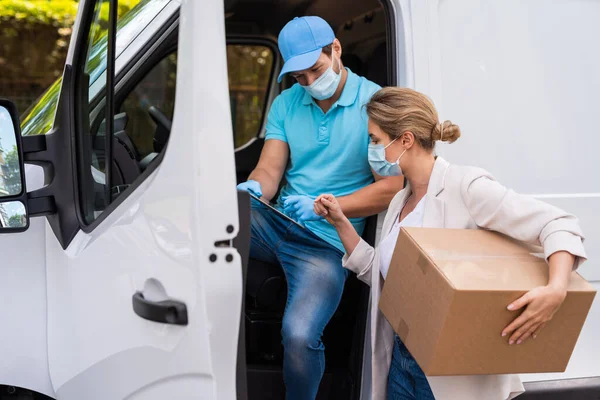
123 259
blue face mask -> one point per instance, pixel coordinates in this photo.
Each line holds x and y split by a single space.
379 164
325 86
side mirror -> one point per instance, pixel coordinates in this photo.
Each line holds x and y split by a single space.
13 193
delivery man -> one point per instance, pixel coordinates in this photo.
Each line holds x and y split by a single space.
317 137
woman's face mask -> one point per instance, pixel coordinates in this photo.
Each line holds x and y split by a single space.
378 162
324 87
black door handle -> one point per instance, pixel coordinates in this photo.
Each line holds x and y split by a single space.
166 311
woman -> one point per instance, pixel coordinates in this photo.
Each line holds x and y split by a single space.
403 126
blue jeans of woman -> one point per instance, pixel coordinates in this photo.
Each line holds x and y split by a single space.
406 380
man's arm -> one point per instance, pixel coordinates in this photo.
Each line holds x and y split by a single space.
271 166
371 199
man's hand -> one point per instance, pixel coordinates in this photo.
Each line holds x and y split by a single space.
301 208
252 187
270 168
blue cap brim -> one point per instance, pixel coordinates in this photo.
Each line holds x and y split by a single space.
300 62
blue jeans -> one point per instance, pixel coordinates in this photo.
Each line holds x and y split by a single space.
315 279
406 380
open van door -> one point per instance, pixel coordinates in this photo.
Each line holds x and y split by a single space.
142 304
521 81
144 287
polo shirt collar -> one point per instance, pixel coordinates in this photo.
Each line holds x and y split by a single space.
349 93
307 99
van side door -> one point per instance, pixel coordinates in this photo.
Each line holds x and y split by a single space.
142 302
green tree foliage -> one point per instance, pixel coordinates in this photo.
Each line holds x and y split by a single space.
249 68
12 178
34 40
15 221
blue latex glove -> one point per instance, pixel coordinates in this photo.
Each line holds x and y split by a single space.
252 187
301 208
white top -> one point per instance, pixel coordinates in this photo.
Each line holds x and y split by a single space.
388 244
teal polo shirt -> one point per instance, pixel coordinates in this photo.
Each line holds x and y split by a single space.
328 151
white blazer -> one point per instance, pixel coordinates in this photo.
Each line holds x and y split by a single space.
461 197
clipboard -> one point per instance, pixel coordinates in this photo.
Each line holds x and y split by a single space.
276 210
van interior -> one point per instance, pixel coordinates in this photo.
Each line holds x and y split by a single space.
363 29
145 100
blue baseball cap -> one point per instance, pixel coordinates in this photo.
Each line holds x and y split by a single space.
301 41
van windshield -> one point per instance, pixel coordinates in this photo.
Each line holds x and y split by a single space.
39 118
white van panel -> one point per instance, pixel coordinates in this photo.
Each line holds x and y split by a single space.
23 296
521 79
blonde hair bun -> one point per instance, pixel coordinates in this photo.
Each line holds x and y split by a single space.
445 132
398 110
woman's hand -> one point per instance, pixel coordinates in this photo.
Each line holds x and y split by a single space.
327 206
542 303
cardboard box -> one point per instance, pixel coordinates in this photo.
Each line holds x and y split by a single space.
446 295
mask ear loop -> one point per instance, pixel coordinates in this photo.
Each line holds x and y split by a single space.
333 56
390 143
398 160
